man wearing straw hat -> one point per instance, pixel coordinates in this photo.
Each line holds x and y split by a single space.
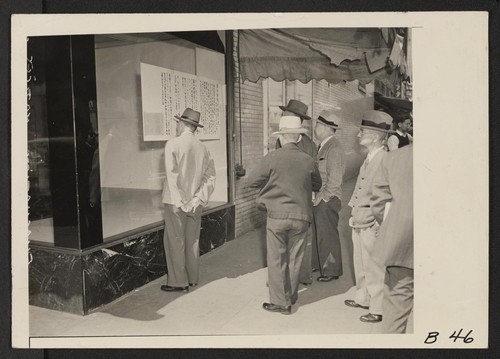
368 271
190 180
299 109
285 179
327 255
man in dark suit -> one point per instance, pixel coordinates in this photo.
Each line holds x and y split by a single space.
296 108
286 179
392 198
326 250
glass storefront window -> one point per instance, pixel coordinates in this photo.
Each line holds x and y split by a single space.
93 176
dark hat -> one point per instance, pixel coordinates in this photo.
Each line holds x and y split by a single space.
376 120
329 118
298 108
190 116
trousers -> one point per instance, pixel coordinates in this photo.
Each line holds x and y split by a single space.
326 249
368 272
398 299
181 244
285 240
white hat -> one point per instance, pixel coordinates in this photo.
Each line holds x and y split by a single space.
290 124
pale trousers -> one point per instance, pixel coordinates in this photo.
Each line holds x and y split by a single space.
286 239
368 272
306 273
398 299
181 243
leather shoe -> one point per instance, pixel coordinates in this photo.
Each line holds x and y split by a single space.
371 318
193 284
327 278
270 307
353 304
168 288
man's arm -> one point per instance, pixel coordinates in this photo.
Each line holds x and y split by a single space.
335 168
393 143
381 192
172 173
259 175
207 182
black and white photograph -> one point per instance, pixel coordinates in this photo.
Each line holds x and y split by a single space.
254 181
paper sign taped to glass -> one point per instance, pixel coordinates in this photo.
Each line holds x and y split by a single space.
166 93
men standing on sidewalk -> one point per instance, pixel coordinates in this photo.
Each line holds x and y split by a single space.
286 178
190 180
368 272
326 249
394 249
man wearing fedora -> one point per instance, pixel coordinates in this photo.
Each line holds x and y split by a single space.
189 183
286 179
369 273
296 108
327 255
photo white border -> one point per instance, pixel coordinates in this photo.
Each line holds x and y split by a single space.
450 94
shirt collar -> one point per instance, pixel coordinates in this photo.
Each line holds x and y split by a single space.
372 153
187 132
401 133
325 141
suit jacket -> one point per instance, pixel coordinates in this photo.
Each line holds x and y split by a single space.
286 177
331 165
394 183
190 171
305 144
361 213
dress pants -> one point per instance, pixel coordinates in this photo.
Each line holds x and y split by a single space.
181 243
398 299
306 274
368 272
286 239
326 250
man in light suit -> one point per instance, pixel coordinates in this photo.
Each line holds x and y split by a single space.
326 249
368 272
190 180
286 179
393 184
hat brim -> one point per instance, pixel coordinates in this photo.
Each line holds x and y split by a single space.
188 121
305 117
325 124
375 129
291 130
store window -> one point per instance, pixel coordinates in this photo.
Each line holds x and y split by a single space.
94 174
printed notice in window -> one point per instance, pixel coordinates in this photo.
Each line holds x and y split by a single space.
166 93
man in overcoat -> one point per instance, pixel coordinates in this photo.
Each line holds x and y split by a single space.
286 179
368 272
393 185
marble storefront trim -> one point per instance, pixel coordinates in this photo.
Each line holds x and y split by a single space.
80 283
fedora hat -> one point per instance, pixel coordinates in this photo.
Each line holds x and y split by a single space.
376 120
290 124
298 108
190 116
329 118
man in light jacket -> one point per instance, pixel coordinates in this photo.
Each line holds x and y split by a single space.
190 181
393 184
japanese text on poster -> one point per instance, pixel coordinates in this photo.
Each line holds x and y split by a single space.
166 93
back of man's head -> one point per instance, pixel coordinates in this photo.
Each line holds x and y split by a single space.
289 137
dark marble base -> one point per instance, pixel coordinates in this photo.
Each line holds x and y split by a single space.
82 282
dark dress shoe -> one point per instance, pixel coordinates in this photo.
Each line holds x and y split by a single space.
168 288
193 284
270 307
371 318
327 278
353 304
